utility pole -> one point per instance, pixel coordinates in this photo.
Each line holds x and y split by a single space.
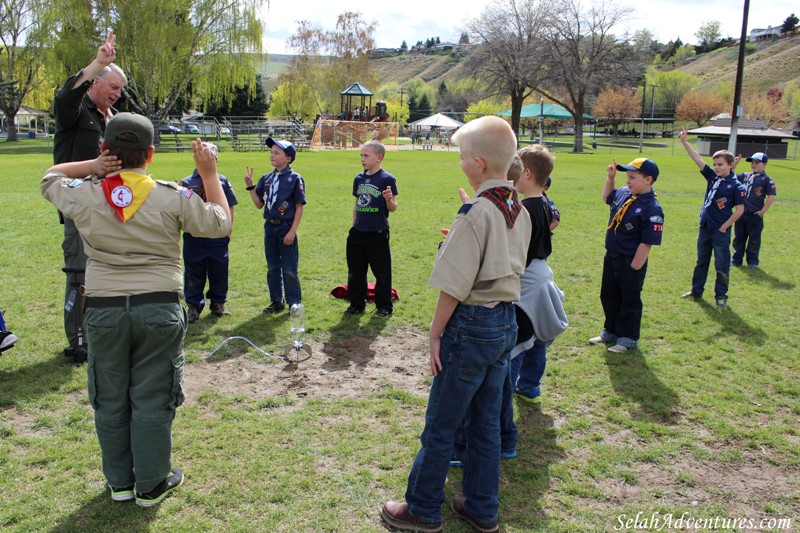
737 91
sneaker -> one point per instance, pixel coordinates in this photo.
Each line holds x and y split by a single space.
455 462
751 267
457 505
722 303
121 494
353 310
275 307
598 340
218 309
192 313
735 263
528 398
7 340
508 455
691 295
383 312
154 497
618 348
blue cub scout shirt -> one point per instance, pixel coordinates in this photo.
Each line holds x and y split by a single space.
643 222
195 184
757 187
281 192
729 193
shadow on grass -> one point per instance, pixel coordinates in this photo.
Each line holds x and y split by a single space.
101 514
732 324
525 480
24 383
350 342
633 380
263 330
758 274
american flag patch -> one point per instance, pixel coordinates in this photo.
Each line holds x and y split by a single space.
187 192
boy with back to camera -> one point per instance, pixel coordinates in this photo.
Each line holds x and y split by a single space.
723 194
368 241
205 258
471 335
636 224
282 196
760 192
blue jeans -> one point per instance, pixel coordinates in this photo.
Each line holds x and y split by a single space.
205 259
747 238
474 354
282 263
709 240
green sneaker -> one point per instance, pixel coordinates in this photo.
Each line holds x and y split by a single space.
154 497
121 494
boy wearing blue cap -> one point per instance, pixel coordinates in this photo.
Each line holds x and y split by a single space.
723 194
636 224
282 195
760 192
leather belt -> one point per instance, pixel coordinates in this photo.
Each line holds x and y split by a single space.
274 221
133 299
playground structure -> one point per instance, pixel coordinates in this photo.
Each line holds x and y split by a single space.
357 123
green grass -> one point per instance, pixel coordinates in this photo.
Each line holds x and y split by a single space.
701 420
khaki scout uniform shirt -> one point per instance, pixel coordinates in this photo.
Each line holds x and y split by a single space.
143 254
482 258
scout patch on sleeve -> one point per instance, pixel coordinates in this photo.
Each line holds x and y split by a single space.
187 193
657 219
75 183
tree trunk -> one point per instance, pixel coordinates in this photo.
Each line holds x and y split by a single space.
578 146
516 111
12 127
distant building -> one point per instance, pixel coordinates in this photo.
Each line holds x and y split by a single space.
751 136
761 34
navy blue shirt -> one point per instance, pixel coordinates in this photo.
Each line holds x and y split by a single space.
643 222
757 187
728 194
553 207
281 192
195 184
371 211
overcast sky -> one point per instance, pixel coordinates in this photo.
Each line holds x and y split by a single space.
416 20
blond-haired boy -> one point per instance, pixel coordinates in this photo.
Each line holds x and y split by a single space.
471 335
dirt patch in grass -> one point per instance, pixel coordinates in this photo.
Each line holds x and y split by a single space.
345 367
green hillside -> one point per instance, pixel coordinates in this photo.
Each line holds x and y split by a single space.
774 62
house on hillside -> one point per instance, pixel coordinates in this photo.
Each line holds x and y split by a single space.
761 34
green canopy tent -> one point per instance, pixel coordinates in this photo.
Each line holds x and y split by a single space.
542 110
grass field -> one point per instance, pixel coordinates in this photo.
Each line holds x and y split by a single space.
700 422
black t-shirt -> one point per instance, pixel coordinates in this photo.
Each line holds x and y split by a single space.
540 246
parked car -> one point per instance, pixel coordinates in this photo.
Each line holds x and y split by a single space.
191 128
224 130
166 128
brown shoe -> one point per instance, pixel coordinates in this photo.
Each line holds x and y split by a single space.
457 505
192 314
218 309
396 515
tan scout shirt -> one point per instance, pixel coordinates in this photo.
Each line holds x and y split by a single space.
482 258
143 254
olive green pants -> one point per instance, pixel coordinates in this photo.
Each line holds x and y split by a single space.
135 384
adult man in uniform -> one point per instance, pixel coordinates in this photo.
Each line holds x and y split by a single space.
135 323
82 107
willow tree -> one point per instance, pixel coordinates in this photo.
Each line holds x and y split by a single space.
166 46
24 30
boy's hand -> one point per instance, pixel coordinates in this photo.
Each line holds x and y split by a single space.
612 170
387 193
248 176
682 135
435 362
204 159
288 239
464 199
106 164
